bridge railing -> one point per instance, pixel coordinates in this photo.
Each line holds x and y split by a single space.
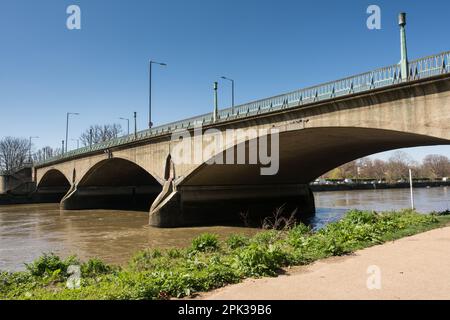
418 69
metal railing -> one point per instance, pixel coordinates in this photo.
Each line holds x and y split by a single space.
418 69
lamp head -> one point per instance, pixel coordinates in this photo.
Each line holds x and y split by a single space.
402 19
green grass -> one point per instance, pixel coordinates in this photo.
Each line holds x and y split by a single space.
209 263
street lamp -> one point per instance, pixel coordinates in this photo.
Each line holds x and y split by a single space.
29 149
128 124
67 125
232 93
135 124
150 124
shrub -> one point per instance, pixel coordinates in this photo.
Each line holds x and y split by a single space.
256 260
174 253
50 264
145 259
205 242
360 217
94 267
296 236
266 237
237 241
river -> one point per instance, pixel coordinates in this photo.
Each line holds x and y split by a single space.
27 231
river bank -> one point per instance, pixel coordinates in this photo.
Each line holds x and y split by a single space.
414 267
210 263
376 186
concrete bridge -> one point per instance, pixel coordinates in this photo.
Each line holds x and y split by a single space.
319 129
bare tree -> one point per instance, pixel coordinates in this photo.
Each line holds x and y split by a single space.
436 166
378 170
45 153
13 153
398 166
100 133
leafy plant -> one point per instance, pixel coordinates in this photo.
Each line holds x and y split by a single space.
205 242
94 267
237 241
50 264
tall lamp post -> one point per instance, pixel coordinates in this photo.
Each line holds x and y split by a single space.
403 48
29 148
150 124
135 124
232 93
128 124
67 126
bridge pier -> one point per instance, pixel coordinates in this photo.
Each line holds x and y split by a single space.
179 206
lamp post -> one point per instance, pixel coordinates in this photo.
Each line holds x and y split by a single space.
232 93
128 124
403 48
135 124
29 148
150 124
216 105
91 134
67 126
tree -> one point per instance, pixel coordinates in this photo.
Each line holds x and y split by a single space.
100 133
13 153
45 153
378 169
436 166
347 170
398 166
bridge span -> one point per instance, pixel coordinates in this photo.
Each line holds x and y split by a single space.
319 128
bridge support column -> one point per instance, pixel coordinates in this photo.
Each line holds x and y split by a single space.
179 206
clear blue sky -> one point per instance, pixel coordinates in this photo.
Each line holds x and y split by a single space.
268 47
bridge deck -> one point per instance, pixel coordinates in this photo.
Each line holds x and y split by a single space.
384 77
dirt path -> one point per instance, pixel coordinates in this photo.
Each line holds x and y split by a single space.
416 267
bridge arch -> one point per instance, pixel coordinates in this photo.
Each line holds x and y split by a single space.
117 172
52 186
114 183
306 154
53 178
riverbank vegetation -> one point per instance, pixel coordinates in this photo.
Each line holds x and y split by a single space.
396 168
210 263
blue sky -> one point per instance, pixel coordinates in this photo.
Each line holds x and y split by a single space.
268 47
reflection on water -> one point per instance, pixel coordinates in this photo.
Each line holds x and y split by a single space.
26 231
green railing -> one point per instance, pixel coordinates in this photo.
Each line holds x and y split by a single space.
418 69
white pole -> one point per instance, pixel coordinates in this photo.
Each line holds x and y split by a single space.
411 188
